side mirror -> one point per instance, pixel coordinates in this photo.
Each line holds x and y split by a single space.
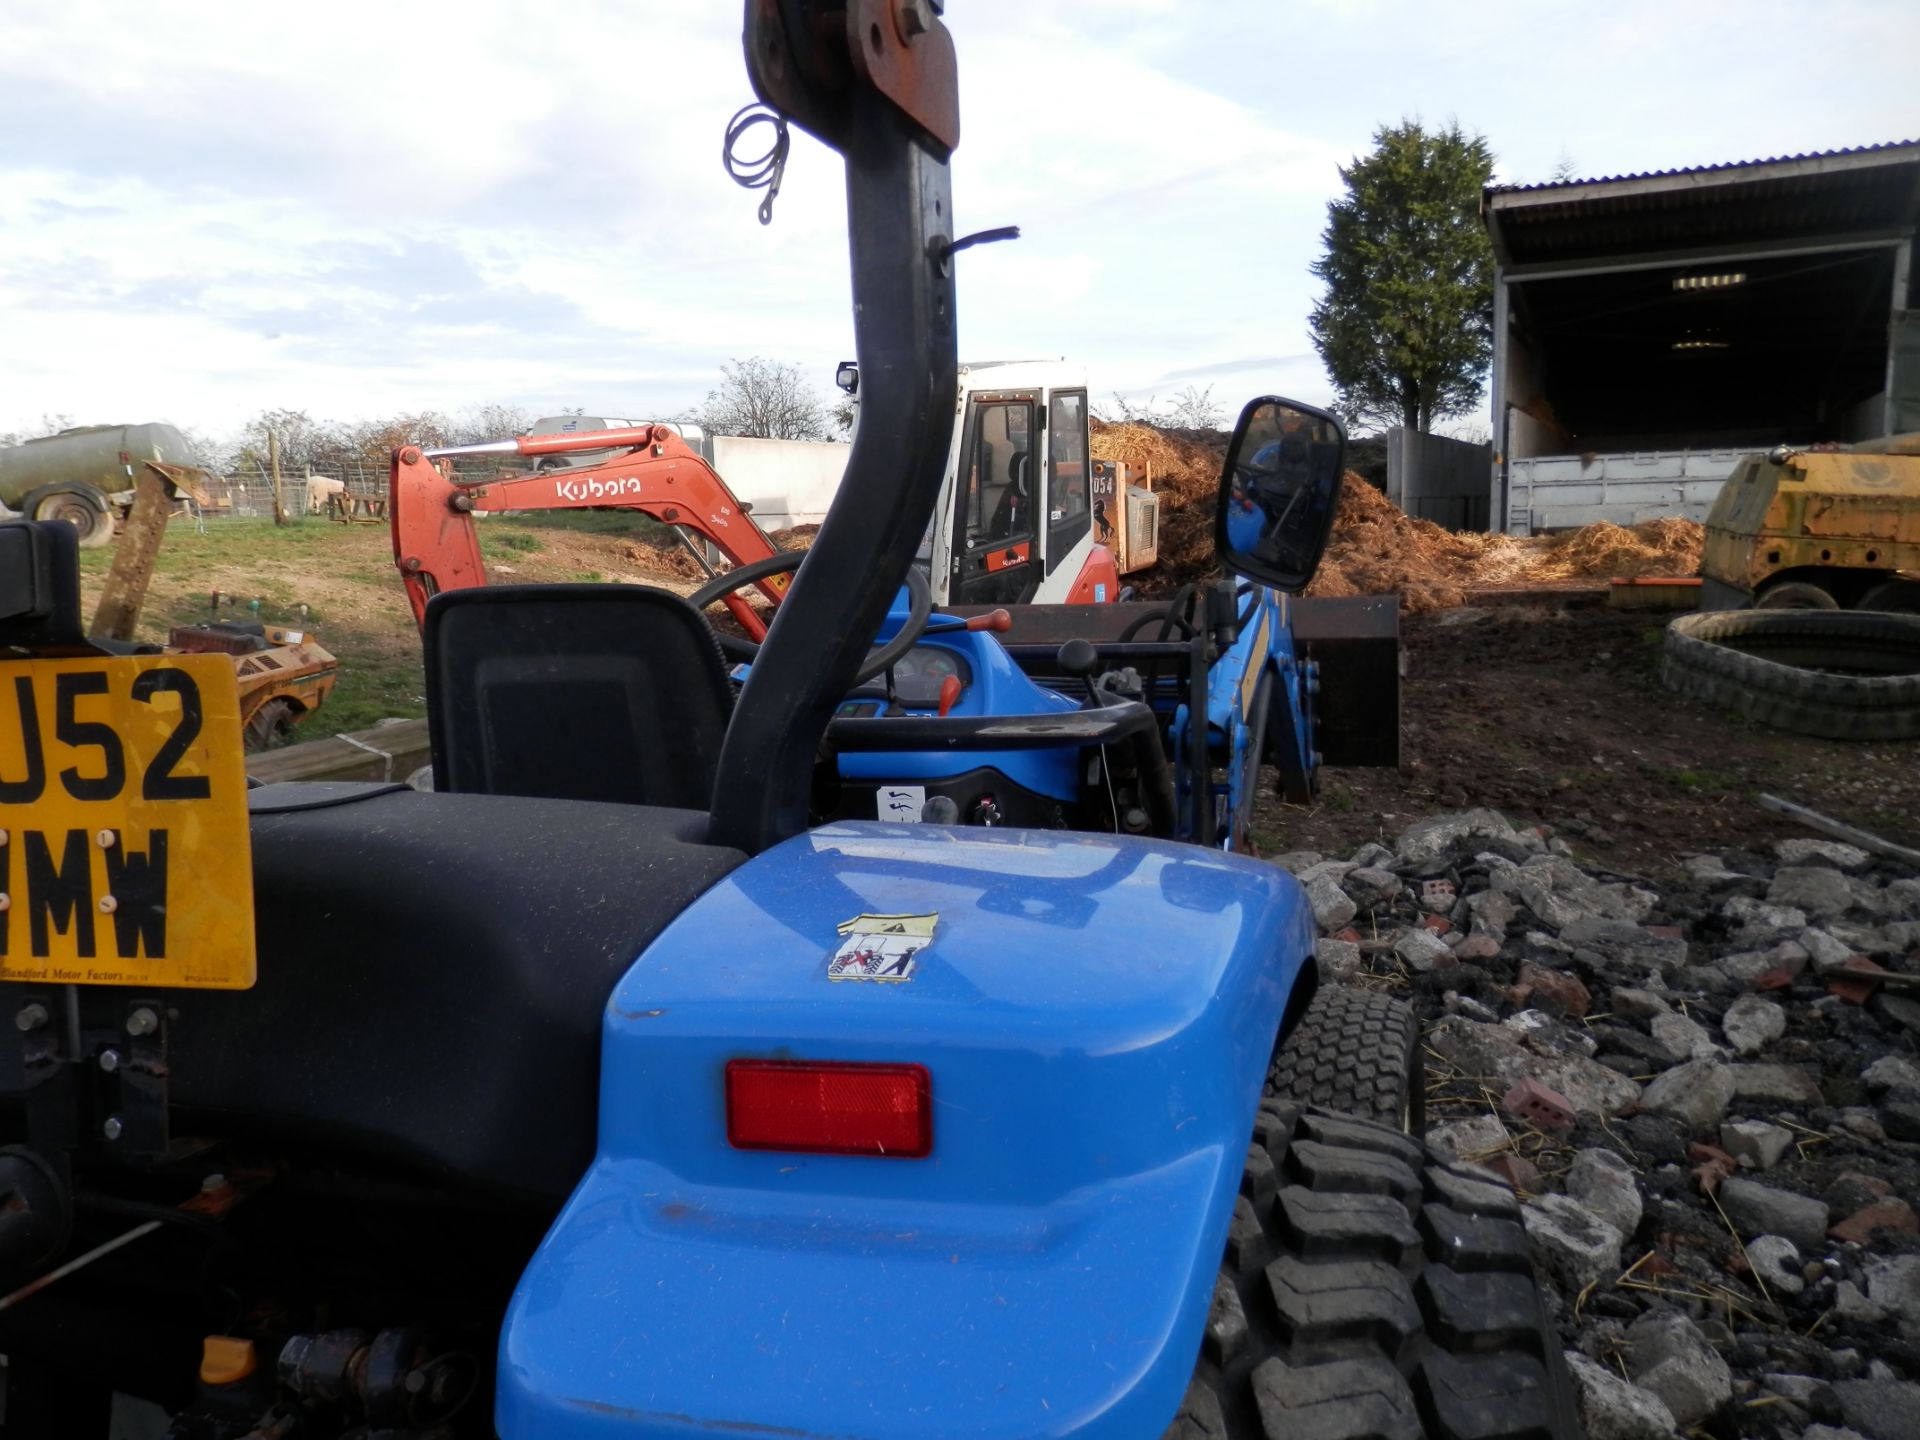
1278 492
847 377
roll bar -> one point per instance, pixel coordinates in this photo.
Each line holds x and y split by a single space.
883 94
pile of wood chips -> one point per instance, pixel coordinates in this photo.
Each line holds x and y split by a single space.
1377 548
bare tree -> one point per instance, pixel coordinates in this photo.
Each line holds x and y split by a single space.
1191 409
1194 409
372 442
769 399
303 441
50 424
480 423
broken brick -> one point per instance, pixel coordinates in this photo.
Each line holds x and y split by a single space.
1477 947
1566 990
1539 1106
1842 982
1872 1184
1438 924
1773 980
1895 1215
1519 1172
1712 1166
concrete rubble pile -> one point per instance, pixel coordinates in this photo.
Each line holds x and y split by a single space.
1707 1093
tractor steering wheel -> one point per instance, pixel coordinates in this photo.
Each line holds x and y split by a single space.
919 611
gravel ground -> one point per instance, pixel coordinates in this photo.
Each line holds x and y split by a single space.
1708 1103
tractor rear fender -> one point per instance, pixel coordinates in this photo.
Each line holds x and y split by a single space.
1095 1015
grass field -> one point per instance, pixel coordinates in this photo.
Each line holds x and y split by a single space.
354 603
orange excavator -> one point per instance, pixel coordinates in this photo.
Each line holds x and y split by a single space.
653 471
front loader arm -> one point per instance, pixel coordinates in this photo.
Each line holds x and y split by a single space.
436 545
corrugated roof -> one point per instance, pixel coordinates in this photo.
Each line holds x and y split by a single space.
1703 169
1870 189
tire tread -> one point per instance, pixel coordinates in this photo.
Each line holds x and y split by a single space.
1355 1051
1373 1290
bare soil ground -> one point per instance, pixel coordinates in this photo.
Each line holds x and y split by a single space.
1557 715
1549 714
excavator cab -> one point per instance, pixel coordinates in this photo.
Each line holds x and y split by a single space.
1015 524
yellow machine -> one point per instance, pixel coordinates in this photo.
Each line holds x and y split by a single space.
1818 530
284 674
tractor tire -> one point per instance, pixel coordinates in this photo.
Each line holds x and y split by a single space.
1841 675
1358 1052
270 726
1893 597
78 510
1795 595
1373 1288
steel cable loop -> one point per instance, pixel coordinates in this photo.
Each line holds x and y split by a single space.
757 172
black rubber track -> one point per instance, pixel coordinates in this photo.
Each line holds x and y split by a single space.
1358 1052
1373 1290
1779 667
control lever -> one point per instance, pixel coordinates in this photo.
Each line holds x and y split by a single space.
950 691
1079 658
999 621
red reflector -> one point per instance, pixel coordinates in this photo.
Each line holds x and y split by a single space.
830 1107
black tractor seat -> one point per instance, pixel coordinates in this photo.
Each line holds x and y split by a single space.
433 970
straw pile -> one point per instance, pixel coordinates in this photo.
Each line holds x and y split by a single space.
1377 548
1186 476
1653 547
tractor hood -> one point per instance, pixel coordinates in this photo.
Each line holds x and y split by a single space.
1095 1017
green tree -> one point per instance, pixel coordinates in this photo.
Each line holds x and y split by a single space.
1406 325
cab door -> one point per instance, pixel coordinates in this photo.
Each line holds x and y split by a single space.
999 502
1069 494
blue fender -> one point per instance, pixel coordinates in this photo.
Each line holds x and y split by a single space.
1096 1014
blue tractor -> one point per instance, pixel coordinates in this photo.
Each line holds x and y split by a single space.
893 1048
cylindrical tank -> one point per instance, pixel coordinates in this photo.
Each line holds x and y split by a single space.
103 456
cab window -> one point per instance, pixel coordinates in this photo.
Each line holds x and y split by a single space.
1067 497
1069 477
999 496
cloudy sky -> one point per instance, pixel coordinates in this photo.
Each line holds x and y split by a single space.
212 207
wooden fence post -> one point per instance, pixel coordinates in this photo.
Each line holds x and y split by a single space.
273 463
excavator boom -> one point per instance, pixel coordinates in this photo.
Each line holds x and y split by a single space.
437 546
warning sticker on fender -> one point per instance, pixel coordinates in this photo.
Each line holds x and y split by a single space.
881 947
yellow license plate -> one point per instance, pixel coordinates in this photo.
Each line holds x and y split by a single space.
124 854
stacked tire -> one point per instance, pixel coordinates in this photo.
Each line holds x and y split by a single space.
1837 674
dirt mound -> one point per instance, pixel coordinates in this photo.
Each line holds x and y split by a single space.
1653 547
1377 548
800 537
1185 474
661 559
